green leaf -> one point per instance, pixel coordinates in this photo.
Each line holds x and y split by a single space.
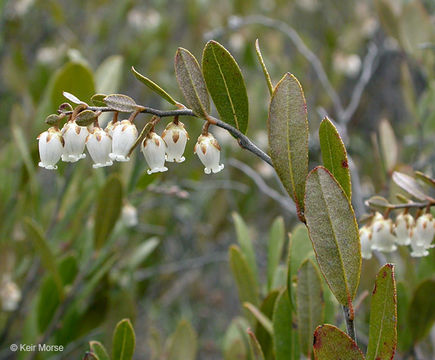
409 184
383 316
86 117
300 249
99 350
74 99
183 343
274 249
108 210
120 102
191 82
285 339
98 99
334 155
73 78
246 284
47 256
154 87
329 341
263 67
403 334
108 75
334 234
256 349
235 346
388 144
261 318
245 241
141 252
310 304
124 341
226 85
420 314
288 137
378 202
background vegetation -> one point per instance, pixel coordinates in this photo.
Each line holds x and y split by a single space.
173 264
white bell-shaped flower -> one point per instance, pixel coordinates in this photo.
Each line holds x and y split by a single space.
402 228
51 144
154 149
175 137
365 237
123 138
424 230
382 234
418 248
99 144
75 141
208 150
111 125
129 215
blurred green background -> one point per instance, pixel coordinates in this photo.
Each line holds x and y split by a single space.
86 47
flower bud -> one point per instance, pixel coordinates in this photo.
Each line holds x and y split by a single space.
129 215
153 149
175 137
402 228
365 236
382 236
51 144
123 138
10 294
99 144
208 150
75 140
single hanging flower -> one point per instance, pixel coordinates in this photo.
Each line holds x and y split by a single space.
365 236
123 138
382 236
129 215
51 145
208 150
422 235
75 141
153 148
402 228
112 124
10 294
175 137
99 144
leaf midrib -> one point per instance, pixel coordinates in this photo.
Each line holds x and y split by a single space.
387 289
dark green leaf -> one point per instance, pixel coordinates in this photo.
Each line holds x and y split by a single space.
226 85
288 137
263 67
191 82
334 234
86 117
383 316
310 304
120 102
124 341
235 344
53 119
329 341
256 349
421 314
108 210
154 87
261 318
378 202
242 273
275 248
98 99
183 343
285 339
403 333
245 241
99 350
334 155
47 256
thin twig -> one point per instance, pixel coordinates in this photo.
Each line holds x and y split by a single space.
349 323
284 201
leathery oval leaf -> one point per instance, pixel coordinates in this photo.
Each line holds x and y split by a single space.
226 85
383 316
334 154
330 341
310 304
124 340
120 102
108 210
288 137
191 82
334 234
183 343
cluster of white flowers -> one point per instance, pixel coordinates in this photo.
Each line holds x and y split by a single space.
115 141
383 235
